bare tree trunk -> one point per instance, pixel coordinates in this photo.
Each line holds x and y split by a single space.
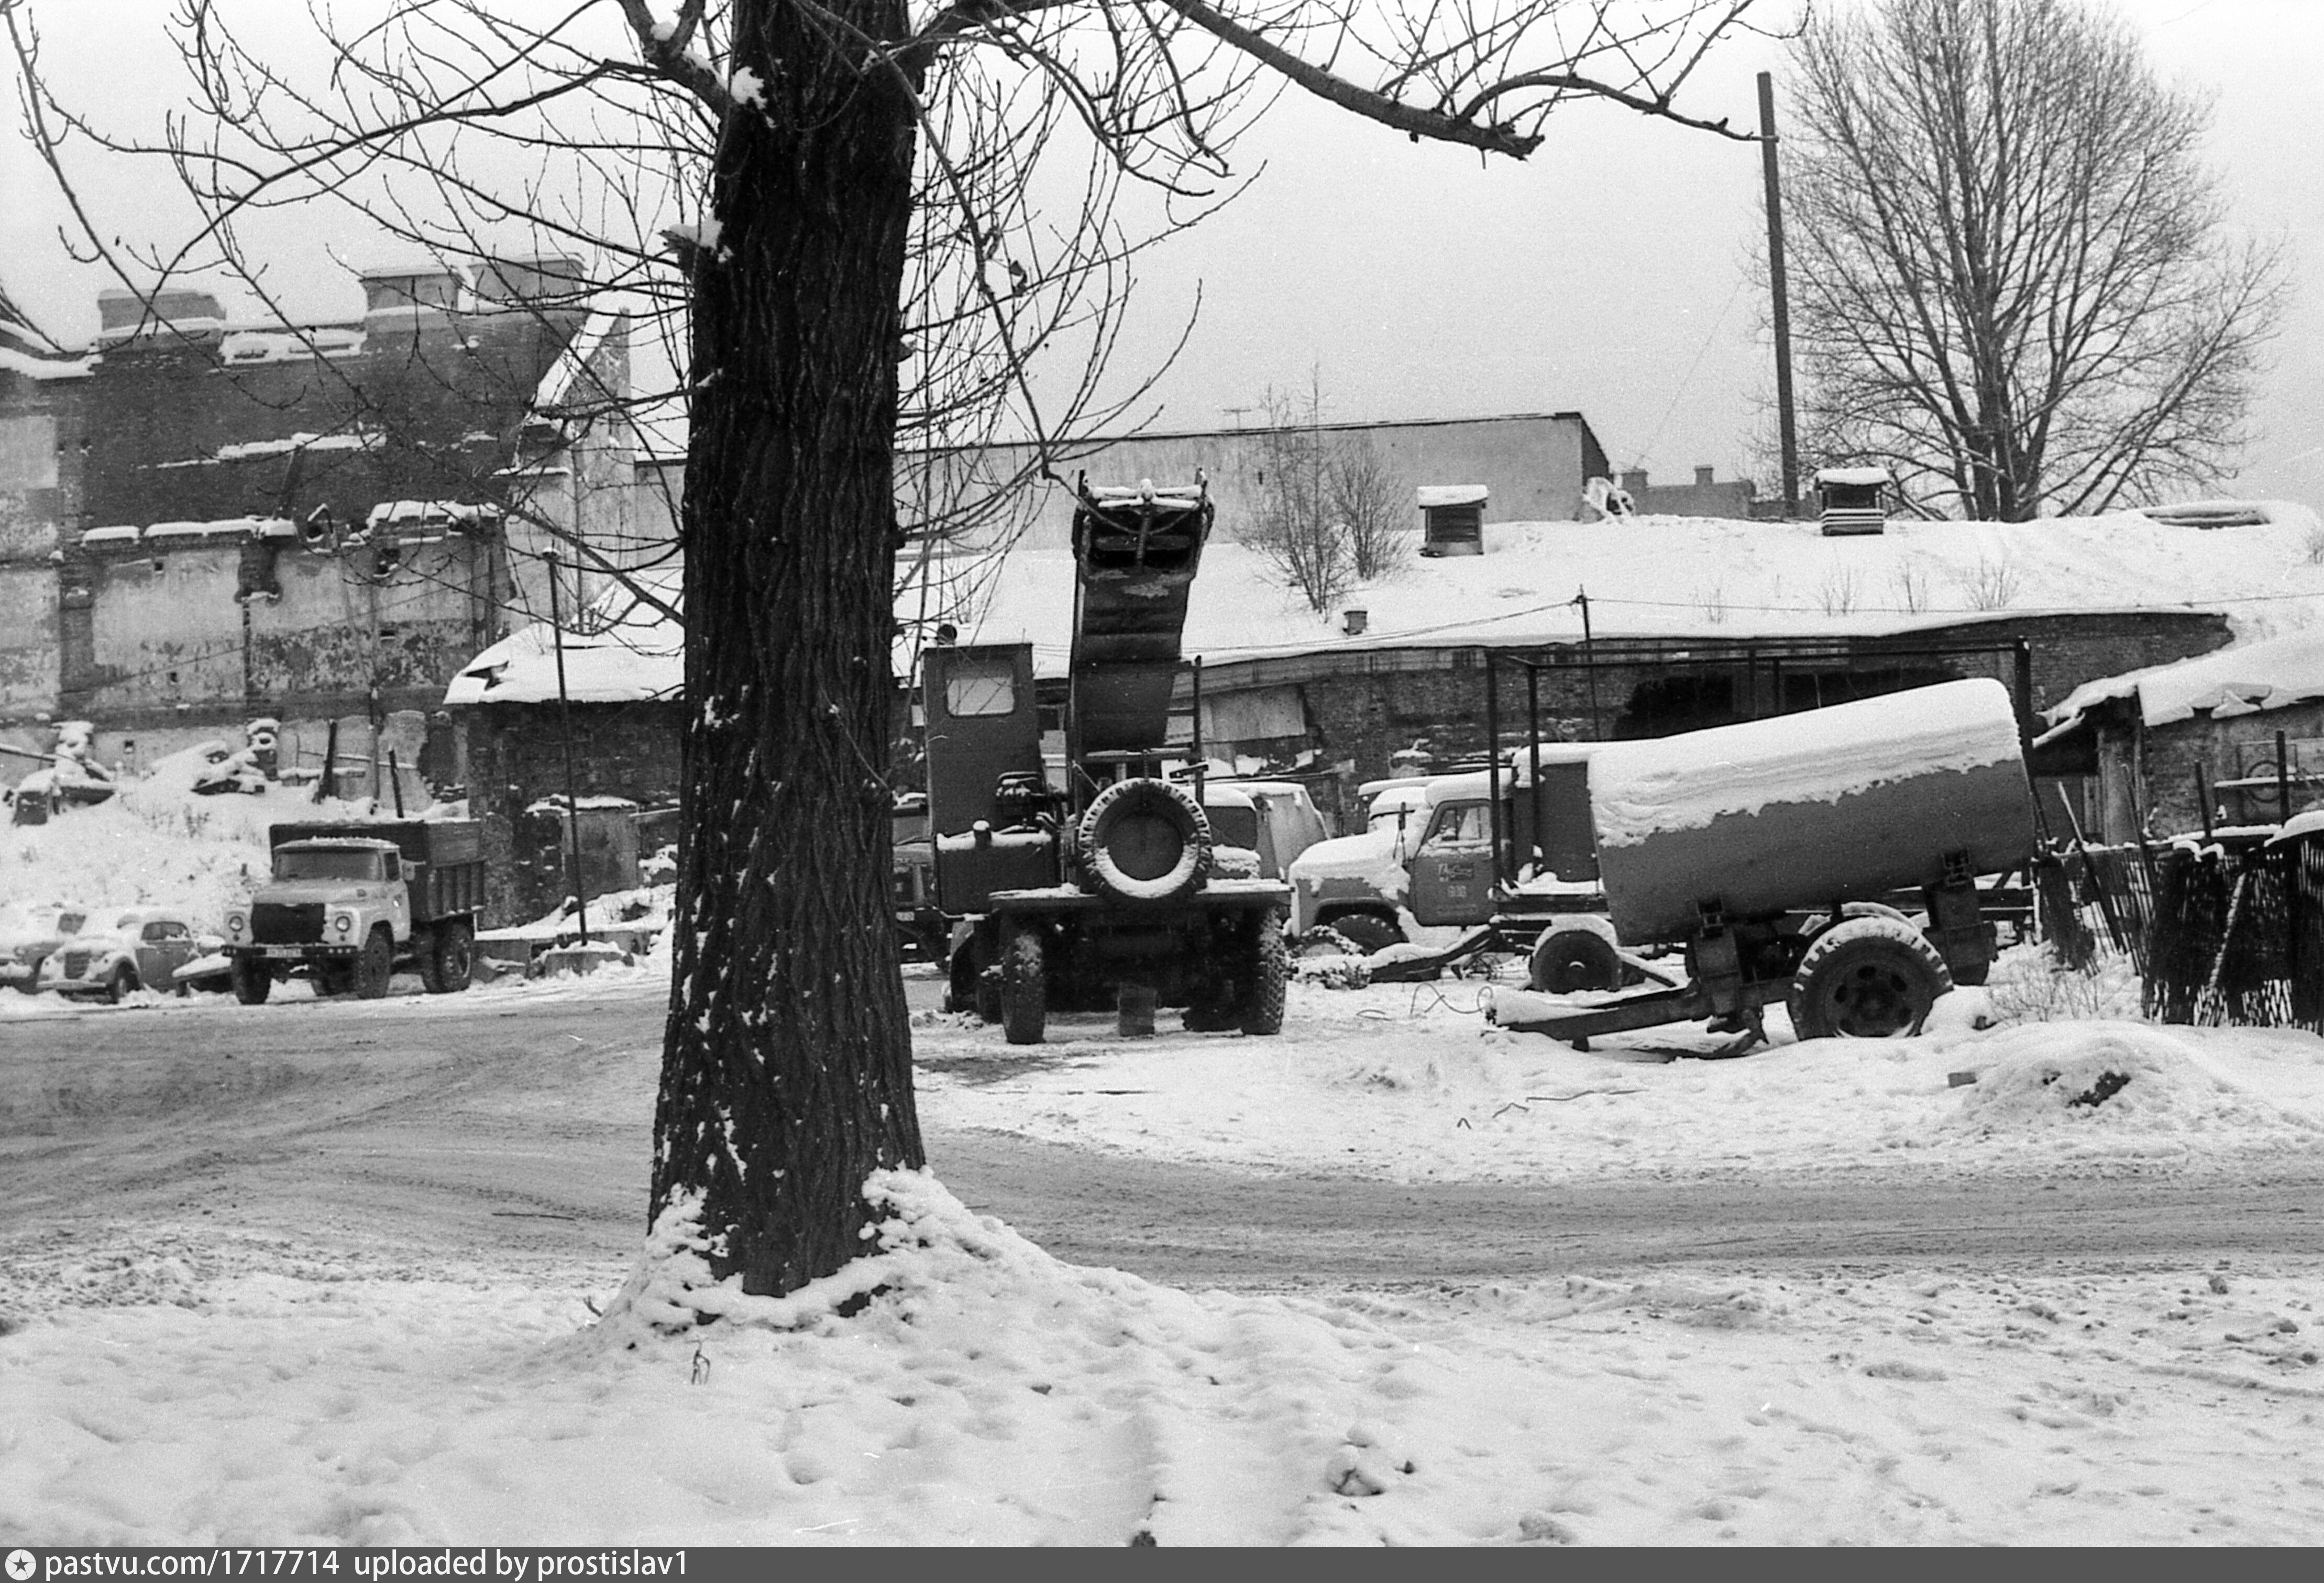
787 1059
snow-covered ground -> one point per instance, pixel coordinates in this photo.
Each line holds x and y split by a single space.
163 1383
201 1380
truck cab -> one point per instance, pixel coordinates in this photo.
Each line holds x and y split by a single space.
1428 850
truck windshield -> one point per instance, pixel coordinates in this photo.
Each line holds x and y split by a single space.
326 865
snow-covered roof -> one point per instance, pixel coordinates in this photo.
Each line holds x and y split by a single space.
1451 495
45 368
2242 678
1856 477
1659 578
631 652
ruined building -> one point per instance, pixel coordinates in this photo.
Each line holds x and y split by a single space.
204 521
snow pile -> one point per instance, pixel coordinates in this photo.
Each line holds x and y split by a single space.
2115 1089
199 1387
1407 1082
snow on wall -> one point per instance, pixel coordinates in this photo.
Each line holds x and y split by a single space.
1637 789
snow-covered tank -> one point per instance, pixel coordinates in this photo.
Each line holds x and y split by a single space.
1842 804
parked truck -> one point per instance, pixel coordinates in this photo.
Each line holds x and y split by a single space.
350 901
1427 853
1768 852
1105 890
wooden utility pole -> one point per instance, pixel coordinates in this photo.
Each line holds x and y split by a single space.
1785 424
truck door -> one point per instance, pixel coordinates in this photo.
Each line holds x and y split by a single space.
1453 867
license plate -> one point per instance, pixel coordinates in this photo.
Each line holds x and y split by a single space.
291 952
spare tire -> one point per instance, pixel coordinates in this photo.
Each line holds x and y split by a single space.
1144 841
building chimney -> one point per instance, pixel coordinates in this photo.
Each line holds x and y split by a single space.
1634 482
393 288
529 278
122 312
1702 477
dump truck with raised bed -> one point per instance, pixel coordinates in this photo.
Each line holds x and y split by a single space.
350 900
1767 853
1098 892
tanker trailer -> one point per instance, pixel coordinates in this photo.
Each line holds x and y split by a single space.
1763 849
1079 898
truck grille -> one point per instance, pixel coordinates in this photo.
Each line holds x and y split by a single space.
278 923
75 964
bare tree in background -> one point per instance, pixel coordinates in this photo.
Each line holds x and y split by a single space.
836 154
1327 515
1377 513
2011 282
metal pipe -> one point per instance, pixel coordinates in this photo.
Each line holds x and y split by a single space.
2283 775
1532 744
1493 762
564 730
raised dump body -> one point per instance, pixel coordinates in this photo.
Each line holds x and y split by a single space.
1842 804
1136 552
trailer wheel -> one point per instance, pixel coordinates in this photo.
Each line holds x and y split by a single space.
253 981
1869 978
1024 988
375 964
1145 841
449 961
1270 968
1565 959
1368 932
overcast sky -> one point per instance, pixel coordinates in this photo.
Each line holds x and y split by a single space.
1608 274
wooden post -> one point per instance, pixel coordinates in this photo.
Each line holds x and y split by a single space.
2283 775
2203 799
1772 176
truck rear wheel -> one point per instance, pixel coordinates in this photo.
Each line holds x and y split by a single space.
1269 967
448 962
375 964
1024 988
1868 978
253 981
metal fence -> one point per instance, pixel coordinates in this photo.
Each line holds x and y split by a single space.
2227 929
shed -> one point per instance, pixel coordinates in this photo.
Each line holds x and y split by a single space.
1453 518
1852 502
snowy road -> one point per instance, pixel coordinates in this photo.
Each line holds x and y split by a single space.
515 1123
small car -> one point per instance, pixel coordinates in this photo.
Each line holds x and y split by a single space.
120 953
28 934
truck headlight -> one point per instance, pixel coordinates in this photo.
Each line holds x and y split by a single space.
345 923
236 924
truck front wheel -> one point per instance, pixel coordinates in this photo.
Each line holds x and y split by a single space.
1269 965
1367 931
252 981
448 962
375 965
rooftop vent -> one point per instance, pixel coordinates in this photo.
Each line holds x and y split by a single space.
1453 518
1853 500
